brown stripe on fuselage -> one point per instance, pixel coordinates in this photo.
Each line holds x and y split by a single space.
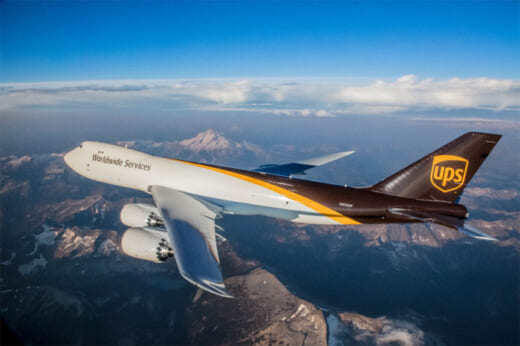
278 187
343 204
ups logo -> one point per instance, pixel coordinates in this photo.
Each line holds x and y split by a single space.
448 172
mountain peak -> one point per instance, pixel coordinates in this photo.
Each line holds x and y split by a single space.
208 140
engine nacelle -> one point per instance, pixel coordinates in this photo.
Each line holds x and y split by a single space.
140 215
146 244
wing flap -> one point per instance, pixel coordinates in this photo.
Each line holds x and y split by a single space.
191 229
443 220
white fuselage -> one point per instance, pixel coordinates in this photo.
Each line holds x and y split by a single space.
136 170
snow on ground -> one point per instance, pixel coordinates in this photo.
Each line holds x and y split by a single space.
34 265
10 260
47 237
67 301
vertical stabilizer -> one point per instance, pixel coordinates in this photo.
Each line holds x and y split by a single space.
443 174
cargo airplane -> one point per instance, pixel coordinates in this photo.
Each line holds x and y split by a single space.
190 196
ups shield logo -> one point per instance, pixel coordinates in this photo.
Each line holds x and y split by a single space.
448 172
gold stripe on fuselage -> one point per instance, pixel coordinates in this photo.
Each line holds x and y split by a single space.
320 208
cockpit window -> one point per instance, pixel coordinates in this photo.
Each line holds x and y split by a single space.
81 146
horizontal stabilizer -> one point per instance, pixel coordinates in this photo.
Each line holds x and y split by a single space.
475 233
443 220
299 168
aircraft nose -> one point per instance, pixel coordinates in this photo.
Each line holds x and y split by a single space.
72 157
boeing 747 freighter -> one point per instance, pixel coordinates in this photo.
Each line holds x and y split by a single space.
189 196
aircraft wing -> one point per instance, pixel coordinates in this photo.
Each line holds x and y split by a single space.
191 228
299 168
446 221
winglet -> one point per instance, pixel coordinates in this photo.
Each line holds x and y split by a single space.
217 288
321 160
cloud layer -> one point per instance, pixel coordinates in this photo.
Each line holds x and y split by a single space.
297 97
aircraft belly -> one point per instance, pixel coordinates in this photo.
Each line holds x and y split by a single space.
315 219
235 208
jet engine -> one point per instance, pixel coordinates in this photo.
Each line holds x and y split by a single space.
146 244
140 215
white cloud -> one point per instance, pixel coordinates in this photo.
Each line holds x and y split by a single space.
382 331
323 113
296 97
408 92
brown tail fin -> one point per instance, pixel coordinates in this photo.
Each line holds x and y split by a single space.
443 174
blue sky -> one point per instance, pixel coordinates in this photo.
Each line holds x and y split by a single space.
322 59
64 41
